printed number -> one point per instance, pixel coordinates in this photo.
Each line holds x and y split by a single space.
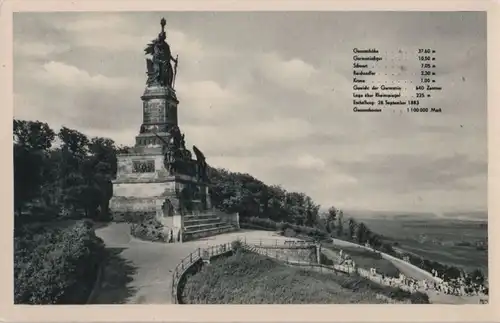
419 109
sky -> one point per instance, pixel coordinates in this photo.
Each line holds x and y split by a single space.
270 94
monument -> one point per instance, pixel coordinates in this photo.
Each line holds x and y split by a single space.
158 176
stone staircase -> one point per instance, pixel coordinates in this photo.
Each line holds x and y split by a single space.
205 225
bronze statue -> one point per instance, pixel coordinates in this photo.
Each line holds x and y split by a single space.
202 164
160 71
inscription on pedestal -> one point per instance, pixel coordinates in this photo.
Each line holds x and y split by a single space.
143 166
154 111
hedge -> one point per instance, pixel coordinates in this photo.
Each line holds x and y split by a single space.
56 265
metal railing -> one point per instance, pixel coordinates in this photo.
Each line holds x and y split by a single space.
191 259
269 243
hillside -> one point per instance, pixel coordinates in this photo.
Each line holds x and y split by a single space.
247 278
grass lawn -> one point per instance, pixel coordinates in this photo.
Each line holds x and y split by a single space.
247 278
367 259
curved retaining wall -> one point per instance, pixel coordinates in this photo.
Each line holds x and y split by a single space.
189 264
290 253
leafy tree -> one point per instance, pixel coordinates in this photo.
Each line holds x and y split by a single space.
352 227
331 217
362 233
32 140
340 224
33 135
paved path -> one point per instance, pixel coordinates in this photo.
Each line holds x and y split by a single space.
140 272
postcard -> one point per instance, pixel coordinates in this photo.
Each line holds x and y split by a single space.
249 161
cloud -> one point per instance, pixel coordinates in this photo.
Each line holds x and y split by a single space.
294 74
272 96
208 101
310 162
38 49
64 75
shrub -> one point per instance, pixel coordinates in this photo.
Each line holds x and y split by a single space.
324 260
419 298
150 230
236 245
290 233
266 223
282 226
387 248
56 265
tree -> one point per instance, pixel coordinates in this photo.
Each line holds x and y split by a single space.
352 227
331 217
340 223
71 177
311 210
102 163
33 135
477 277
32 140
362 233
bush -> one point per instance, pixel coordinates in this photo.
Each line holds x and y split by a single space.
387 248
282 226
150 230
266 223
419 298
56 265
236 245
290 233
324 260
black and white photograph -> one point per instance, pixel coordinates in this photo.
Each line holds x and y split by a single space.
250 157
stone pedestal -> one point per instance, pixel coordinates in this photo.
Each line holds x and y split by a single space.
144 187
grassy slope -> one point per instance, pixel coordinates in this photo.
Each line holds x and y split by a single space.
367 259
247 278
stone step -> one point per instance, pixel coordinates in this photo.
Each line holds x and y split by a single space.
197 227
196 221
204 215
207 232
